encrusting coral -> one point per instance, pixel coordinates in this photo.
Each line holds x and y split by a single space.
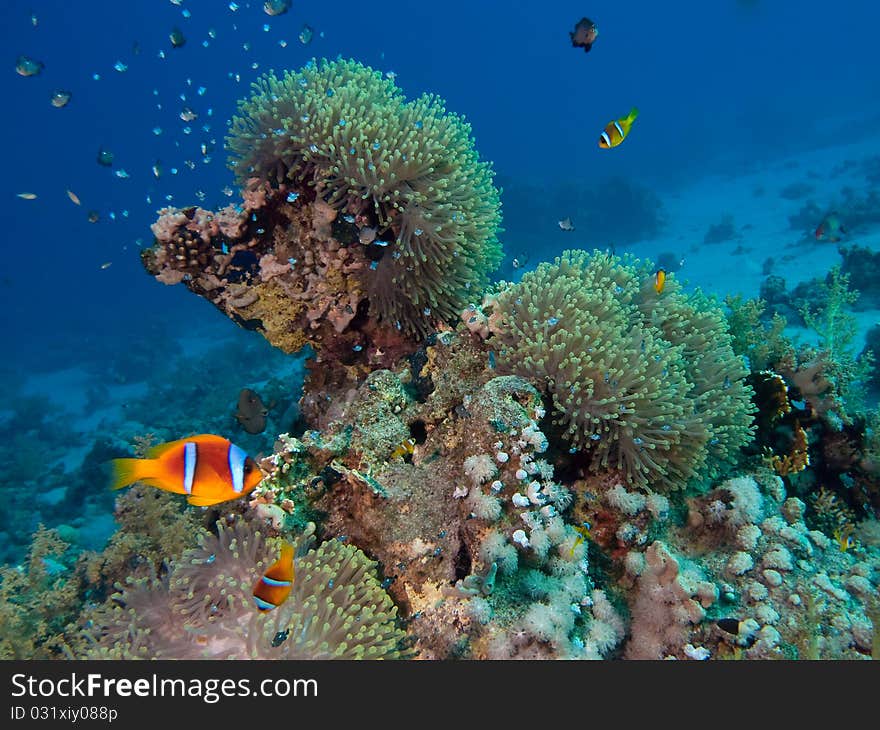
642 382
406 173
204 608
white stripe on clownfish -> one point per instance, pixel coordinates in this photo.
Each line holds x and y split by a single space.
264 605
606 139
618 128
236 467
273 582
190 457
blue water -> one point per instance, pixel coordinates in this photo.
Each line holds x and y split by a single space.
724 87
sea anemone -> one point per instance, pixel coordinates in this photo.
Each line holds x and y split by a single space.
408 168
641 382
204 608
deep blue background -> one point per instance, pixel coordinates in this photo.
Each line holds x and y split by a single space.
722 86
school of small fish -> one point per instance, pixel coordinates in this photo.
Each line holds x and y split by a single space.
196 118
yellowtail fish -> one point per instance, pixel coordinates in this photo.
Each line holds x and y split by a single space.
27 196
74 198
659 280
405 449
273 587
615 132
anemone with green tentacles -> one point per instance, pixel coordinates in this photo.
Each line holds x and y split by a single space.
410 168
641 381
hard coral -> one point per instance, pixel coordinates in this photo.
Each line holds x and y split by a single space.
644 383
405 172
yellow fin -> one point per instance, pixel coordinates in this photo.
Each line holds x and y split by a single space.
633 113
127 471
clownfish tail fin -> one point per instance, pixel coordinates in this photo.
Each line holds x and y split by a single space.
126 472
633 113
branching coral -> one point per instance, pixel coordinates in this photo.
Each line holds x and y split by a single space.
37 600
409 169
763 343
644 383
337 608
836 328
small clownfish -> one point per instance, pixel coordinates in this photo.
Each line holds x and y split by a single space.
583 534
208 469
273 587
844 538
616 131
659 280
405 449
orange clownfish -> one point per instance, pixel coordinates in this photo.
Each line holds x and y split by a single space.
208 469
616 131
273 587
659 281
406 448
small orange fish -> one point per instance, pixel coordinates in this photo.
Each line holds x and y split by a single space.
616 131
208 469
844 538
584 534
405 449
273 588
659 280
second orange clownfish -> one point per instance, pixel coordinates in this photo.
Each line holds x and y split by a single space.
616 131
208 469
274 586
659 280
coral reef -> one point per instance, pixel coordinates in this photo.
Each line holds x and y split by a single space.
422 204
644 383
469 527
203 607
573 466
